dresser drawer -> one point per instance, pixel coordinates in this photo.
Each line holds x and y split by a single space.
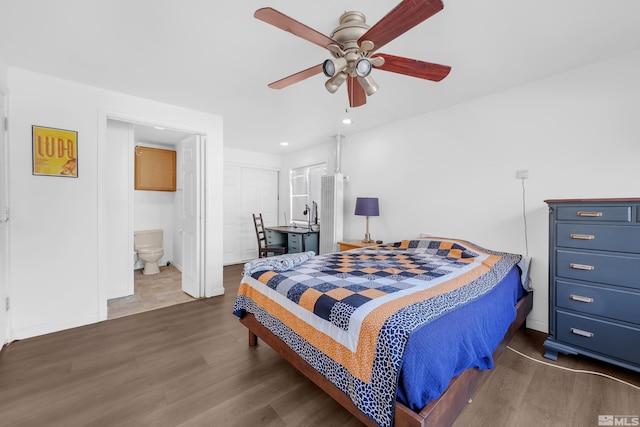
605 302
295 243
616 340
275 238
594 213
617 238
621 270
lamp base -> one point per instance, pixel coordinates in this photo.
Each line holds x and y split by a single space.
367 238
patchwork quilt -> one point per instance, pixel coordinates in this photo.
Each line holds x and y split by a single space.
350 314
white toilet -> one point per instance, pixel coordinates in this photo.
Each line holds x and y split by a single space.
148 244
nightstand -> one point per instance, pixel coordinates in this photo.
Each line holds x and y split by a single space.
345 246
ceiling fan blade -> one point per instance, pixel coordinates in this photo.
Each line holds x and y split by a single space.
401 19
357 96
413 67
282 21
297 77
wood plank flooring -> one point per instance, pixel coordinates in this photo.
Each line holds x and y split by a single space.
189 365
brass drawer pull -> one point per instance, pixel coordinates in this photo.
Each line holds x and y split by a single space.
580 298
589 213
582 267
582 236
582 333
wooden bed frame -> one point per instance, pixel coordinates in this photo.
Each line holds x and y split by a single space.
440 412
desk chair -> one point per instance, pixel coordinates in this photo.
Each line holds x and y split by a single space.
263 248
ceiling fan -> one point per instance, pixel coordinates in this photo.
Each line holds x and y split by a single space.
353 44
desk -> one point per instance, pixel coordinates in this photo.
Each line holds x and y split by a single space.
297 239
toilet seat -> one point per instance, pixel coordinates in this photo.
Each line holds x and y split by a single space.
149 251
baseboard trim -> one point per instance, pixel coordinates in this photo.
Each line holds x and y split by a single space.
34 331
538 326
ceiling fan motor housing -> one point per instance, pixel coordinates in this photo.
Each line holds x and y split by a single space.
352 26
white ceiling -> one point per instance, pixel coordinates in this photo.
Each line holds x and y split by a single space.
214 56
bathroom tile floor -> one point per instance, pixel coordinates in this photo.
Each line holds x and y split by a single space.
150 292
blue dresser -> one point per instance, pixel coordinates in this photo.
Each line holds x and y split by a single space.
594 280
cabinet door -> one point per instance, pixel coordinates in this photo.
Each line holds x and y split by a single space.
311 242
155 169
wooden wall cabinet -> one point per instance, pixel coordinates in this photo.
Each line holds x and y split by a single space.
155 169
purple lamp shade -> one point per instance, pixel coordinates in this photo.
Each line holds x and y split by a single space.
367 206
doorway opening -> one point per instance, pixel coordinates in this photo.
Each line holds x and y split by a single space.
176 213
151 292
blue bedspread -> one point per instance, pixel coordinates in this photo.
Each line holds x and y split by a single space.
461 339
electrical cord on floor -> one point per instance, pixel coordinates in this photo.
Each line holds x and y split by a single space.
578 371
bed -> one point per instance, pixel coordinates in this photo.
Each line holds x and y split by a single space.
399 334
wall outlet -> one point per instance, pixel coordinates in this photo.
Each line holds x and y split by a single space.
522 174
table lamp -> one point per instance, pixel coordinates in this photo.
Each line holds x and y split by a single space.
367 206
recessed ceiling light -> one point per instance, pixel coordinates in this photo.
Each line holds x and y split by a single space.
284 143
347 121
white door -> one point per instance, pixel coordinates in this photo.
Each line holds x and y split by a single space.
190 218
247 190
4 243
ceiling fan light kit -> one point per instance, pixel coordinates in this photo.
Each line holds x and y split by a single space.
334 83
331 67
352 45
363 67
368 84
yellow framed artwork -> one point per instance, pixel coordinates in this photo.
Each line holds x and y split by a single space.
55 152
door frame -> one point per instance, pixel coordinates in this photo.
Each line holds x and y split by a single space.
5 320
104 116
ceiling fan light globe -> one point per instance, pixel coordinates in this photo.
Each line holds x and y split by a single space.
328 68
332 67
363 67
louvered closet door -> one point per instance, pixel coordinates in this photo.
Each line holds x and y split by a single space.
247 190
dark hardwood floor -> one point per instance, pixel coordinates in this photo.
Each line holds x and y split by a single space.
190 365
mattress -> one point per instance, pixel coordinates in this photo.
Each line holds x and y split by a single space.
391 322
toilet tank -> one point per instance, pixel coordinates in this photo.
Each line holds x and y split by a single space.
147 239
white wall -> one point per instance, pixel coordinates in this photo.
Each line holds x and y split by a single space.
3 59
252 158
57 268
452 173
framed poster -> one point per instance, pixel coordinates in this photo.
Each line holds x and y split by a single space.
55 152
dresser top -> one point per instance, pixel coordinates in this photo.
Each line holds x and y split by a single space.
623 199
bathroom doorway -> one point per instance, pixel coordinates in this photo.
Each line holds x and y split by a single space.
151 292
177 213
